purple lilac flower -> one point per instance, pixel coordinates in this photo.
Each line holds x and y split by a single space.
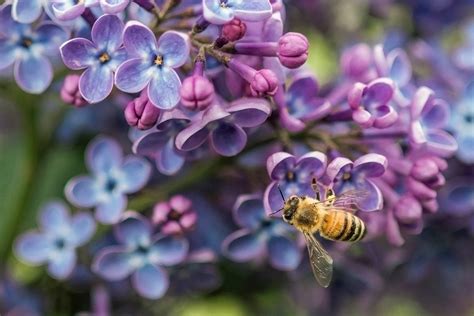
260 236
462 123
26 48
224 126
152 64
395 65
175 216
56 240
141 255
346 175
301 103
428 117
159 144
223 11
370 103
100 57
113 176
293 176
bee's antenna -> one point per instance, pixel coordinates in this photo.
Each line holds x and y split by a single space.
272 213
281 193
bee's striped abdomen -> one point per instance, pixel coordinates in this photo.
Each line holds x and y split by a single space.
343 226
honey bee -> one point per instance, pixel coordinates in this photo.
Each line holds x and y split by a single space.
331 217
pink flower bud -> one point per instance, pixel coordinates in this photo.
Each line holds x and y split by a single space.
70 91
264 82
234 30
424 169
141 113
293 50
356 62
197 93
408 210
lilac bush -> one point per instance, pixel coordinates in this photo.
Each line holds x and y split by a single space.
210 115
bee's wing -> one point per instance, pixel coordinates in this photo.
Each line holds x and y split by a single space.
320 260
349 200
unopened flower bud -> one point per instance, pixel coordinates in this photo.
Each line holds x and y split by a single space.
264 82
234 30
293 50
408 210
141 113
70 91
356 62
197 92
424 169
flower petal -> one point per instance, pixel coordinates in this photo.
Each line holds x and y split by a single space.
65 10
110 210
103 154
78 53
33 73
380 91
112 263
215 13
419 102
338 165
54 217
312 164
96 83
228 139
7 53
50 36
174 47
150 144
163 90
32 247
83 228
139 40
26 11
284 254
133 75
303 86
249 112
169 160
436 114
252 10
374 199
248 211
107 33
371 165
150 281
169 250
62 264
113 6
441 143
242 246
399 67
133 230
279 164
8 26
135 173
82 191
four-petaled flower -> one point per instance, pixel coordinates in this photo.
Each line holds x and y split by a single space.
427 118
141 255
223 11
100 57
175 216
224 126
292 175
370 103
260 236
346 175
27 48
113 177
302 103
56 241
152 64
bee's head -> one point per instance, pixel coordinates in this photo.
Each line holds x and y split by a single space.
290 208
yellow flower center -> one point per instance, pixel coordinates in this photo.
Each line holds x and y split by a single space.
159 60
104 58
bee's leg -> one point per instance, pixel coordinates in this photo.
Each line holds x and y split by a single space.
315 187
330 197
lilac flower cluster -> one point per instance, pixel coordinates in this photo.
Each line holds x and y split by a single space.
213 92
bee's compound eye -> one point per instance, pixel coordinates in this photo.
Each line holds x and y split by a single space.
294 200
287 217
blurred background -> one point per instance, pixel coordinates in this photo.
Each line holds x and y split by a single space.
42 142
